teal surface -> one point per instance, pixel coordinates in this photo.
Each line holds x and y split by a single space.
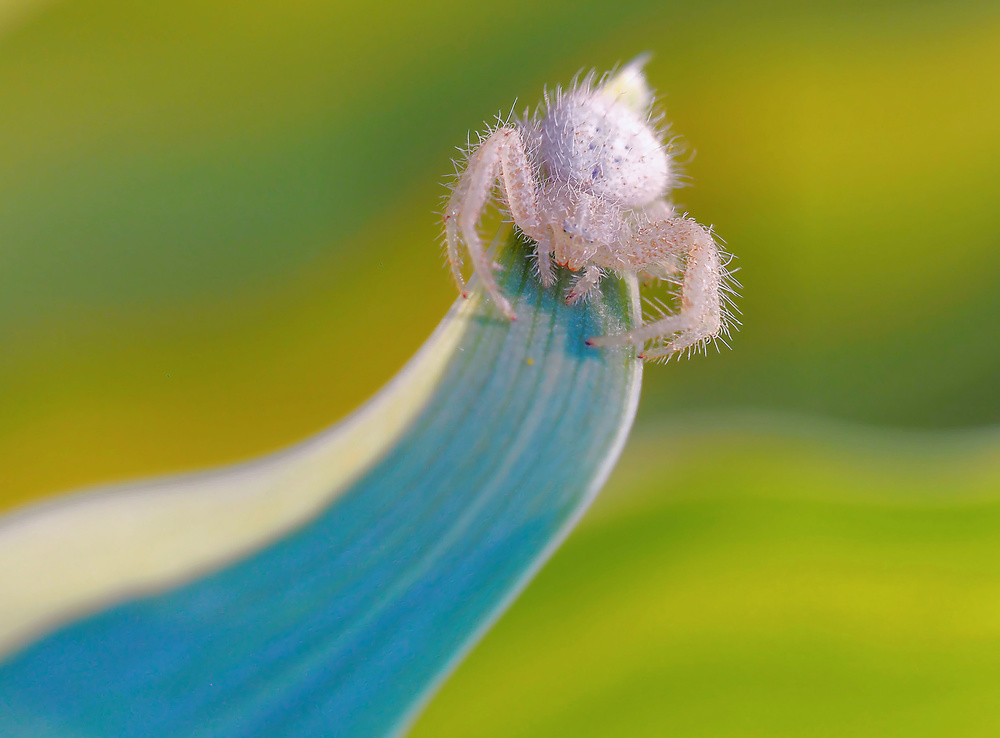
344 626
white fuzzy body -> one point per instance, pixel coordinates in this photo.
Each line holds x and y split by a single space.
587 178
595 143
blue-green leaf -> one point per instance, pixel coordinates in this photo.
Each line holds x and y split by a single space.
325 590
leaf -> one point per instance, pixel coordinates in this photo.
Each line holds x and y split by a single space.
329 588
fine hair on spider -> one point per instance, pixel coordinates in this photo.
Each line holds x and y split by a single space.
661 297
587 177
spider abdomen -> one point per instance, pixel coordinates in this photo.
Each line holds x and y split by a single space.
599 144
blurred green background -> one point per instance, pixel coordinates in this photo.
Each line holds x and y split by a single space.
217 236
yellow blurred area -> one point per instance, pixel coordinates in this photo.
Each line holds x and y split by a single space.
217 231
96 425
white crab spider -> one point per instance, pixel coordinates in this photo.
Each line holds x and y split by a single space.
587 178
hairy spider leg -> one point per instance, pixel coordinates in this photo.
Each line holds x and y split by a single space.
502 156
583 285
546 271
451 232
700 316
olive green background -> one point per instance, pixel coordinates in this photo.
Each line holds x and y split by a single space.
217 236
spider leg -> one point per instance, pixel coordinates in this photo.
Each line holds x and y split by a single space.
666 270
451 231
700 317
546 272
584 284
501 155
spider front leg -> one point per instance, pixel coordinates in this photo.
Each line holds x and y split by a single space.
546 271
501 155
700 317
584 284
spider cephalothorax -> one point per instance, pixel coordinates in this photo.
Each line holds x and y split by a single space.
587 178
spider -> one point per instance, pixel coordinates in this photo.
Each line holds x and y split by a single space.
587 178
